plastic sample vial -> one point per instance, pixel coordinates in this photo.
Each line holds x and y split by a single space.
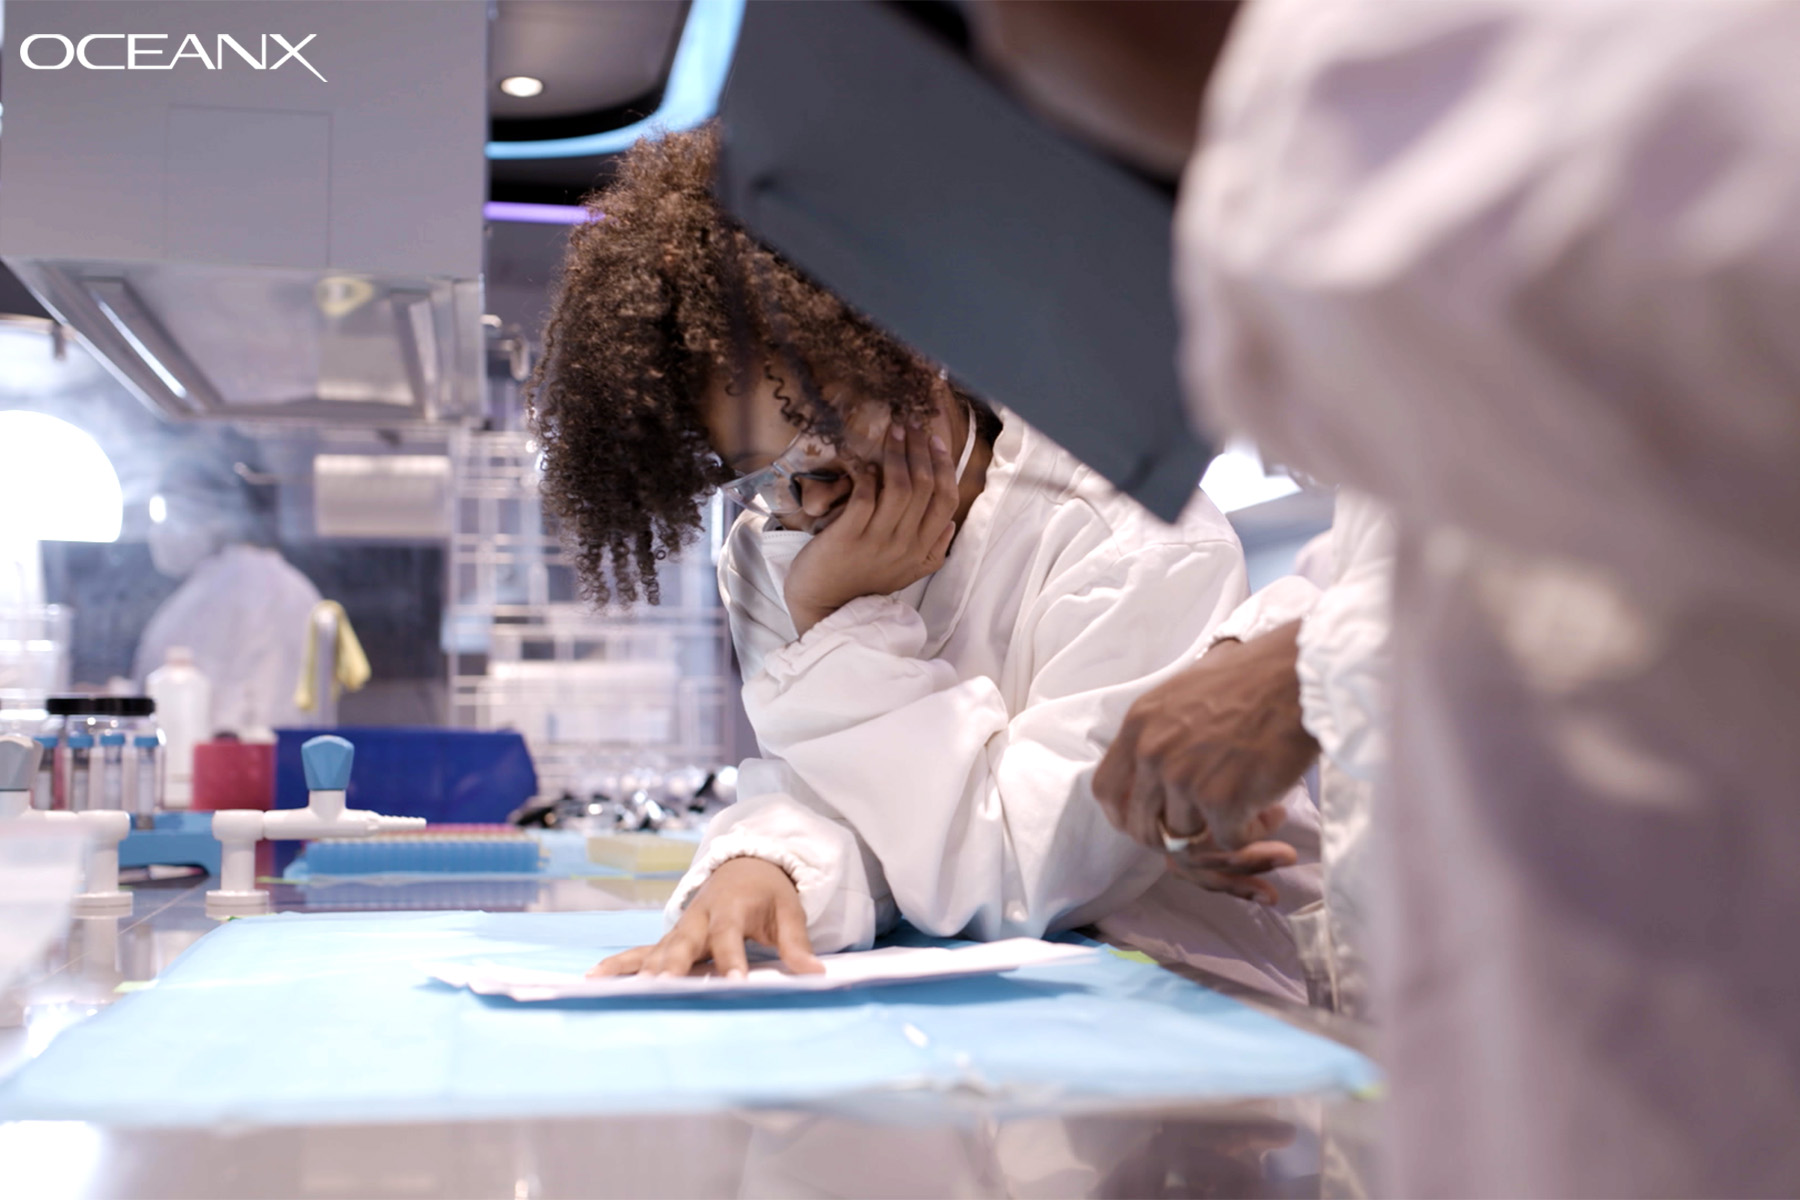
43 784
78 751
109 773
128 770
183 704
108 724
147 777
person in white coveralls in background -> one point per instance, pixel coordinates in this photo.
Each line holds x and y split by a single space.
242 609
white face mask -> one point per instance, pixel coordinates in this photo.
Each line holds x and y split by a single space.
177 547
968 450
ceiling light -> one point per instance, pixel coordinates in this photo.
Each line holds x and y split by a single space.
690 96
522 86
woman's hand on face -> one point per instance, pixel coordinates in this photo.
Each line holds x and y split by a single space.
894 530
745 898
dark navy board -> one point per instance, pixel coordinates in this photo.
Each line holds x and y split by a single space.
881 162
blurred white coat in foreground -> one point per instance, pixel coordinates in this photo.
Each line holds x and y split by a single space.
1531 273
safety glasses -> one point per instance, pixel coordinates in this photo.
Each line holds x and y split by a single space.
774 491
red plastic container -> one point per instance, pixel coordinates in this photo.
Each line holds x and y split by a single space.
231 774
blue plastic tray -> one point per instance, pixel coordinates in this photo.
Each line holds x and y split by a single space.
178 839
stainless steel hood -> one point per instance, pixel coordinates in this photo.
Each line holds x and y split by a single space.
244 233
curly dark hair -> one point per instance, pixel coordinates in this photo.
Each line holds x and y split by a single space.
662 295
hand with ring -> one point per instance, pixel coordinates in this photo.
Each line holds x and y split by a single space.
1201 763
1199 858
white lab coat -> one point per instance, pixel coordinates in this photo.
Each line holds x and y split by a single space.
931 755
244 614
1530 272
1344 665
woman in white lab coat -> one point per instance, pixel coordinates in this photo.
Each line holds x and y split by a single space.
940 615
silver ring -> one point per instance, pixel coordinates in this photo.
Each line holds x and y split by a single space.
1172 843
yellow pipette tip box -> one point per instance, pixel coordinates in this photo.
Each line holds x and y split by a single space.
641 853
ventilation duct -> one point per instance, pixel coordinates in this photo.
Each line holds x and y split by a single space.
256 210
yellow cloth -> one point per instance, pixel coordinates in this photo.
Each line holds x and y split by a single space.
351 670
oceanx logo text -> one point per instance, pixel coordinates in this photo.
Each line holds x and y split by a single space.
150 52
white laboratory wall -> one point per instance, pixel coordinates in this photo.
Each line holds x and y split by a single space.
1274 532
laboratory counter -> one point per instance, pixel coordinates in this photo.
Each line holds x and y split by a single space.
940 1142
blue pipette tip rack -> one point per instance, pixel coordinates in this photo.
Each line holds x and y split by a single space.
410 854
327 760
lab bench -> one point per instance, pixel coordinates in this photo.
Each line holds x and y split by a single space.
936 1143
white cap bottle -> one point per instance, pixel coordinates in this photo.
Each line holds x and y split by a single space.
184 710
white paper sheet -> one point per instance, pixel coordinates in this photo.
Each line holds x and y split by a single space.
865 968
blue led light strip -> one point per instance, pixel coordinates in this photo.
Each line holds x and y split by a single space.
696 77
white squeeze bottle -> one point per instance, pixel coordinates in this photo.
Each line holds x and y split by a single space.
184 710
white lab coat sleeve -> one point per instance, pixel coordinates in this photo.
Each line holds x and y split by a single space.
1285 600
779 819
982 819
782 822
1344 662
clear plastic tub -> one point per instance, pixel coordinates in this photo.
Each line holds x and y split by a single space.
34 653
40 872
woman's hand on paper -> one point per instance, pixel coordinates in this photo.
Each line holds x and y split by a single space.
894 530
744 899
